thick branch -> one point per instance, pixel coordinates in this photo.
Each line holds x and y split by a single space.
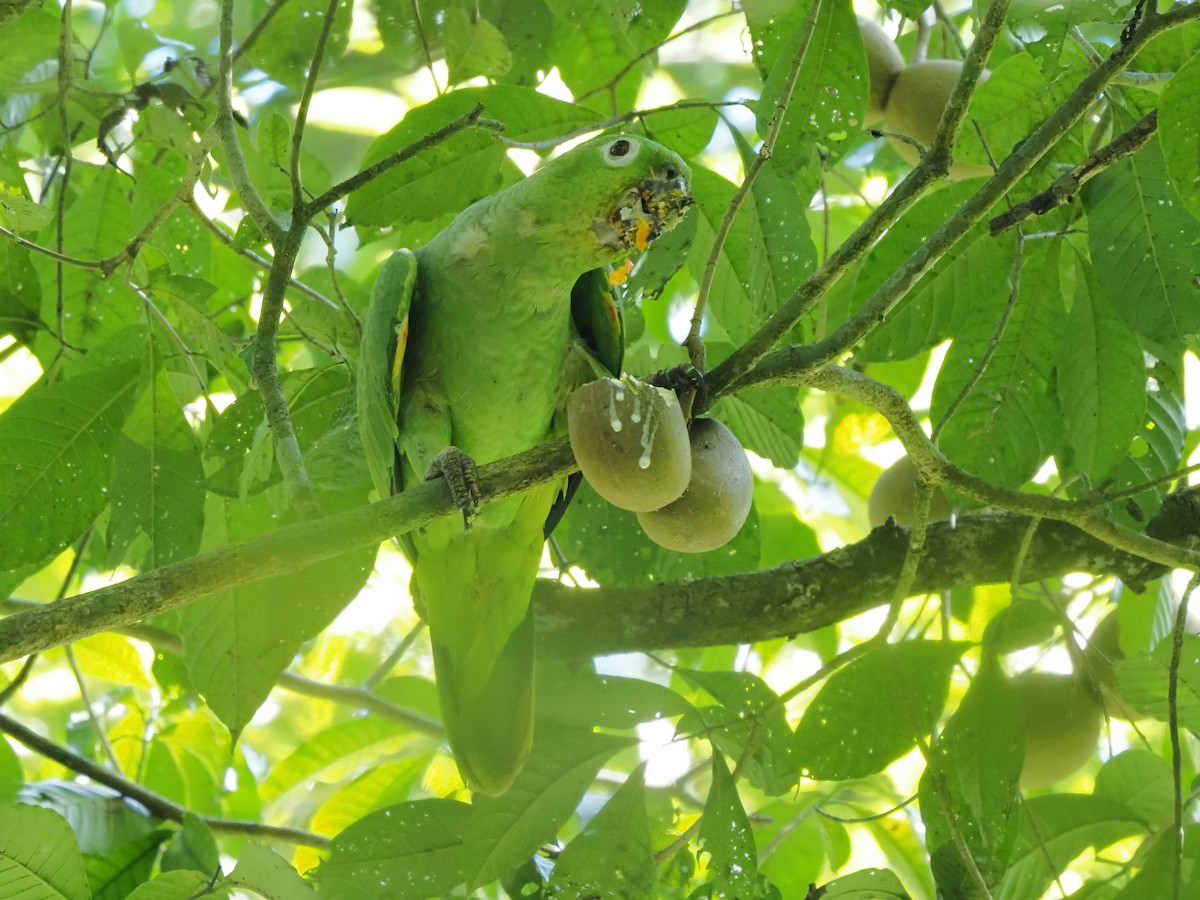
278 552
802 596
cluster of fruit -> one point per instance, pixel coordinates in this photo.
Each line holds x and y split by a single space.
909 100
690 485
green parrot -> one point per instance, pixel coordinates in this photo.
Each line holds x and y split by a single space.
471 345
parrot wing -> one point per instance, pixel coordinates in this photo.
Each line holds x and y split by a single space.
384 338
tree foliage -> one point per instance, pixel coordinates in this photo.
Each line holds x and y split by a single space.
212 679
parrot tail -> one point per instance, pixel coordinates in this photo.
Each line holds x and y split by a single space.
490 724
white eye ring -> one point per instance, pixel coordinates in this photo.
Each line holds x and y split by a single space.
621 151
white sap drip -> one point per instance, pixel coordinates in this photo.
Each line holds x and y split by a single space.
649 430
617 395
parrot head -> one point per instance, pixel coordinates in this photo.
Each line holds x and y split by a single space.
632 188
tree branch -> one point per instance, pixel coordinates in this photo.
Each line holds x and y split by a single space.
1064 188
731 374
793 598
156 804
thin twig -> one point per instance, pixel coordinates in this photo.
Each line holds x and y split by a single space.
260 261
734 372
1064 188
156 804
472 118
226 126
306 95
993 343
52 254
614 120
650 51
1177 634
693 341
10 689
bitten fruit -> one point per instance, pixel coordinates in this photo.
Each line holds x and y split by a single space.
630 441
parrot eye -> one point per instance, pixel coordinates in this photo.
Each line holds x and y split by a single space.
621 151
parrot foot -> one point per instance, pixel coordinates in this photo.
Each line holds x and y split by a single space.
687 382
461 475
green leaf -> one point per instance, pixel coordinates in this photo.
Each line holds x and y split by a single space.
115 873
687 131
1145 246
830 94
95 226
1007 107
284 49
749 711
766 254
383 784
868 884
193 847
186 297
275 140
99 819
39 859
972 276
1101 381
158 483
899 688
237 642
979 755
581 697
474 46
450 176
20 293
263 871
1008 422
1157 875
1157 449
506 830
1142 680
1063 826
766 421
343 747
412 850
183 884
11 773
612 856
726 837
58 442
1140 780
1179 125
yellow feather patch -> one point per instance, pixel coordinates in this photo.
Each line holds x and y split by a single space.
641 237
621 274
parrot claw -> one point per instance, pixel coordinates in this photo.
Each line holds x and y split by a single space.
461 475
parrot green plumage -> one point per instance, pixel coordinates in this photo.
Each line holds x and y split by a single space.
474 341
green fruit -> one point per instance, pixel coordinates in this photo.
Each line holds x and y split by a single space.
895 493
914 108
1062 719
884 63
717 500
630 441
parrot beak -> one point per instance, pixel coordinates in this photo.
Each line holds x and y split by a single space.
647 211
